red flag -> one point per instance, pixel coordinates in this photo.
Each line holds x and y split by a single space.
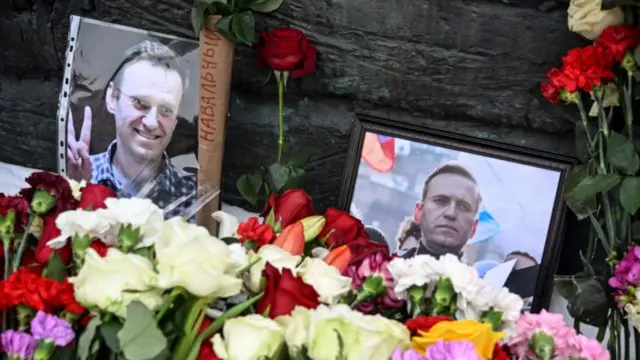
379 152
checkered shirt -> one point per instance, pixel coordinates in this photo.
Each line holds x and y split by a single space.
171 184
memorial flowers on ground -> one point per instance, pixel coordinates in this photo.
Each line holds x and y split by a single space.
290 284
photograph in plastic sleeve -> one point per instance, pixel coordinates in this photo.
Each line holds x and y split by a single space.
494 214
129 103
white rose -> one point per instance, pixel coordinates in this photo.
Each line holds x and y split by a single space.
112 282
325 279
250 337
363 336
587 18
277 257
141 214
80 222
239 258
188 256
296 328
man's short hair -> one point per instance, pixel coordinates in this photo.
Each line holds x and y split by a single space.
450 168
523 254
157 54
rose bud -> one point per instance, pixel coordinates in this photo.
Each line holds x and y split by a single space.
291 239
339 257
312 225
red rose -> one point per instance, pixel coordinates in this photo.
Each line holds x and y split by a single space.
252 230
99 247
286 49
56 185
584 68
550 92
94 195
283 292
49 232
291 206
424 323
619 39
341 228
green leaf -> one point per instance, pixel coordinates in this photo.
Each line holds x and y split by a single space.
109 332
295 178
140 338
593 185
300 159
243 26
223 26
586 297
219 8
55 268
86 339
249 186
198 13
278 175
63 353
621 154
630 194
229 240
267 6
581 207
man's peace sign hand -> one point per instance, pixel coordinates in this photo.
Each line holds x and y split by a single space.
78 163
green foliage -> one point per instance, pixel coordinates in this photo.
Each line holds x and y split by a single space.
237 22
140 338
274 178
586 296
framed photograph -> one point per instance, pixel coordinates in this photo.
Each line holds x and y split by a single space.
498 207
128 114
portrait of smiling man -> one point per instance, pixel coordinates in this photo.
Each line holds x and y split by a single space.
143 97
447 212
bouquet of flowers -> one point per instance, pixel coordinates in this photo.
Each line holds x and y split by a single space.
91 276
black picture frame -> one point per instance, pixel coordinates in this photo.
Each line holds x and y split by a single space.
562 164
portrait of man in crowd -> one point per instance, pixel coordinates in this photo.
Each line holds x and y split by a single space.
493 214
131 113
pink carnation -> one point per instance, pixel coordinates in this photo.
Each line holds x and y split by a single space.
565 339
591 349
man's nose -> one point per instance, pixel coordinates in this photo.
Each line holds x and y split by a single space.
450 211
150 119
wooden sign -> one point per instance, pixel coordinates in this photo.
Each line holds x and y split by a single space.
216 65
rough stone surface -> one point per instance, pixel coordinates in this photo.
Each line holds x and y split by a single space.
472 67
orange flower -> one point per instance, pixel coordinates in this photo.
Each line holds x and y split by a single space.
291 239
480 334
339 257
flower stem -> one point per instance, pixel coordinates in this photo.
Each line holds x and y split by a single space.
23 243
627 339
584 119
7 259
167 303
219 322
281 80
629 105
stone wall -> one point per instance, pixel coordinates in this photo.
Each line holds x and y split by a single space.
473 67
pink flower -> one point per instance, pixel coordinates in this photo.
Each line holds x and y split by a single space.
374 265
591 349
626 274
565 340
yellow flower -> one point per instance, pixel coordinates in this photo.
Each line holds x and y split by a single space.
480 334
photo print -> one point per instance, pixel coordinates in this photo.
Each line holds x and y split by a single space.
128 113
418 192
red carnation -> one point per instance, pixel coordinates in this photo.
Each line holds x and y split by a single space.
19 206
550 92
619 39
49 232
252 230
55 185
94 195
583 68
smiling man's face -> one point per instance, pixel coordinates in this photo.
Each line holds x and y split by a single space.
145 105
447 215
